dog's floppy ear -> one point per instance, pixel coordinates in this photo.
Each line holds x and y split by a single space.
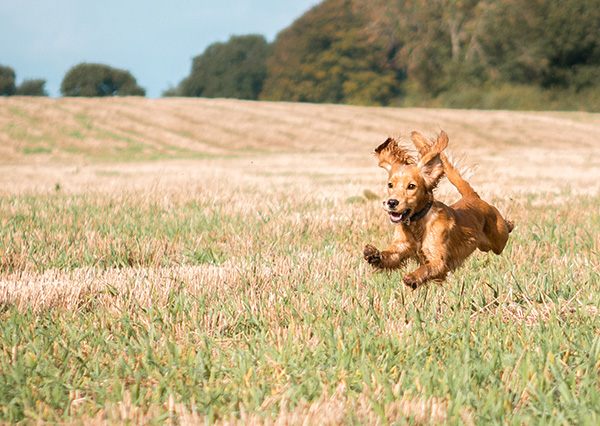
420 142
390 153
430 161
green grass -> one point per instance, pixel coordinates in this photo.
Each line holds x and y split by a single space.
292 318
42 232
37 150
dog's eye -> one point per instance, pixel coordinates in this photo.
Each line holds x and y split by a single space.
390 185
411 186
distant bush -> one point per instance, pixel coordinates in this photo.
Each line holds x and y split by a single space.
32 87
516 97
7 81
171 92
91 80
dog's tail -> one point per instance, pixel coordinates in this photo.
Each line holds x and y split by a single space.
456 179
463 186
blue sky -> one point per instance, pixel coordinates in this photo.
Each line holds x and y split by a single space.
153 39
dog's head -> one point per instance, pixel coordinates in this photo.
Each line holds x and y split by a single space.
411 181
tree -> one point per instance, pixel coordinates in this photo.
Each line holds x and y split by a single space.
91 80
575 51
236 69
172 92
32 87
550 43
327 56
436 43
448 46
7 81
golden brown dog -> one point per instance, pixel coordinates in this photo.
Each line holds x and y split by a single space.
437 236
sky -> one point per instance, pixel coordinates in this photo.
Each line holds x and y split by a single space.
155 40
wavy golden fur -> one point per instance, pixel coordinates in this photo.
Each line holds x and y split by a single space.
437 236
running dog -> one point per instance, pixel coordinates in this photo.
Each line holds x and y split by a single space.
437 236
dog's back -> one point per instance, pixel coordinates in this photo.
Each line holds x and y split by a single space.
472 209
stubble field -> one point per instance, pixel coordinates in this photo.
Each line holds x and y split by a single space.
198 261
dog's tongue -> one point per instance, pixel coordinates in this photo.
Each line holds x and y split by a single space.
396 217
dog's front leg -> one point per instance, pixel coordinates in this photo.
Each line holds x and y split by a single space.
393 257
432 270
434 255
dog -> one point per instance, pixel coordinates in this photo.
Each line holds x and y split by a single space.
437 236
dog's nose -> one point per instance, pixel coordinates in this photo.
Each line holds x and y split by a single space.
392 203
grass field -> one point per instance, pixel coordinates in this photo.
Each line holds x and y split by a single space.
196 261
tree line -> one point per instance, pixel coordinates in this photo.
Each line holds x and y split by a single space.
89 80
517 54
29 87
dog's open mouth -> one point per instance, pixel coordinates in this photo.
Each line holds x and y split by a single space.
397 217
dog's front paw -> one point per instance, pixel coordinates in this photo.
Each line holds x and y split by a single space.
372 256
410 280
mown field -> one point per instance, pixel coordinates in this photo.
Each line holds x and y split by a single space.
195 261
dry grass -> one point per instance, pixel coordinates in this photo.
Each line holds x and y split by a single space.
75 142
329 410
198 261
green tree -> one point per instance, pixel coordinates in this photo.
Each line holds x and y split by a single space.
550 43
91 80
460 46
236 69
32 87
172 92
7 81
435 42
328 56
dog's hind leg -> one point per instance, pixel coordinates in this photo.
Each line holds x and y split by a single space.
496 229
